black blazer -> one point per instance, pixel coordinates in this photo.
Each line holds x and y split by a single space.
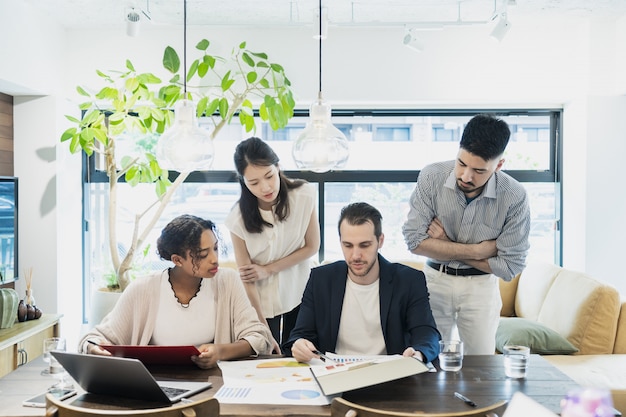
405 315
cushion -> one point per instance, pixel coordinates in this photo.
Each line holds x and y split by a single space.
540 339
507 294
584 310
532 288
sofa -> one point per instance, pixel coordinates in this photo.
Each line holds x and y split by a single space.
577 322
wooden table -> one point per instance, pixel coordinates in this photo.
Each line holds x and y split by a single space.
481 379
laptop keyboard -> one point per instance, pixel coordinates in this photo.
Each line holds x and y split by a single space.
173 392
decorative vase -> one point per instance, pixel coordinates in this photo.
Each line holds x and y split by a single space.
102 302
29 299
8 307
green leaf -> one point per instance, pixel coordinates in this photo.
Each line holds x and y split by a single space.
117 117
209 60
129 65
203 69
201 107
192 70
262 64
210 110
277 68
203 45
82 91
68 134
85 106
242 45
261 55
148 78
132 176
264 83
247 59
171 62
223 106
251 76
72 119
263 112
269 101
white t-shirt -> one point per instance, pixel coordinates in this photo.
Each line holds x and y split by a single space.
281 292
179 326
360 331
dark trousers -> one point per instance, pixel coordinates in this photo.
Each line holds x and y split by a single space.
288 323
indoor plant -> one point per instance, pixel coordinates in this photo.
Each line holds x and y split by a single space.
132 101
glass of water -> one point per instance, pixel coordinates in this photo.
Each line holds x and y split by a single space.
516 361
50 344
450 355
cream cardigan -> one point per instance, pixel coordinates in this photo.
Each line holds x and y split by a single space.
132 320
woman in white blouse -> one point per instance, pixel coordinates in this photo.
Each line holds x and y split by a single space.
275 234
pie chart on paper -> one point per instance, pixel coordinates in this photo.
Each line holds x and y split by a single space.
300 394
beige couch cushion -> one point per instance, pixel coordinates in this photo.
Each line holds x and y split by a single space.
533 287
508 289
582 309
620 339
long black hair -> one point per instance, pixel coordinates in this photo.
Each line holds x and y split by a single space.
254 151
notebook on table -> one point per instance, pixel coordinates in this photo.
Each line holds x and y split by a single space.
124 377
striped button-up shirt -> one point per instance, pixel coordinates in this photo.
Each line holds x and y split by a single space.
500 212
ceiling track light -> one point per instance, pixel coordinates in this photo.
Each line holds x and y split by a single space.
501 28
133 17
412 41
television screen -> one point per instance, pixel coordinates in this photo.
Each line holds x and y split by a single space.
8 228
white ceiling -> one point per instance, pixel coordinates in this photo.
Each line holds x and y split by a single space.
111 13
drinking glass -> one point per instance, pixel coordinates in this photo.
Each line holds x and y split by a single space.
450 355
54 368
516 361
49 344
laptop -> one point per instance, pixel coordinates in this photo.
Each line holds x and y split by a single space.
124 377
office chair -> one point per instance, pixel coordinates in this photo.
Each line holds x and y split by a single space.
206 407
343 408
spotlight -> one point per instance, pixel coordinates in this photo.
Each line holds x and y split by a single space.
501 28
412 41
132 22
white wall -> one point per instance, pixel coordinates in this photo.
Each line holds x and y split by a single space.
577 64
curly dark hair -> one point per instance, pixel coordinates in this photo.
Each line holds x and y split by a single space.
183 234
254 151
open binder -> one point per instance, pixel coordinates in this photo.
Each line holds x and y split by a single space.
334 378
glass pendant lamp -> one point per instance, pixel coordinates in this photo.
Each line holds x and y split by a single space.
185 147
320 147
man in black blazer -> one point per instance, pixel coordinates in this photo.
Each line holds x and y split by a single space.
364 305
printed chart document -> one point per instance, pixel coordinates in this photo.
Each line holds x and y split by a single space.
270 381
345 375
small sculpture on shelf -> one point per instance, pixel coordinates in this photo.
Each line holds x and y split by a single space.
27 309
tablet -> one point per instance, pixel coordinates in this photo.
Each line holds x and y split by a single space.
155 355
40 400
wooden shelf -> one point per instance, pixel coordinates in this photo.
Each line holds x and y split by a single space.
24 341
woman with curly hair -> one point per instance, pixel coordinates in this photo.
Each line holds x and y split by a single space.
192 303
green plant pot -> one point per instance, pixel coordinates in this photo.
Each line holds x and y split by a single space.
8 307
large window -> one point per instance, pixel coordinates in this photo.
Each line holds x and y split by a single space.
387 151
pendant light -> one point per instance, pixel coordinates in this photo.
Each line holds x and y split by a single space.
320 147
185 147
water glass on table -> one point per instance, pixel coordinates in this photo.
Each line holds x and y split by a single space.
450 355
516 359
49 344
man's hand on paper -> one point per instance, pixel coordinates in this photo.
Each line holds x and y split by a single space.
303 350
